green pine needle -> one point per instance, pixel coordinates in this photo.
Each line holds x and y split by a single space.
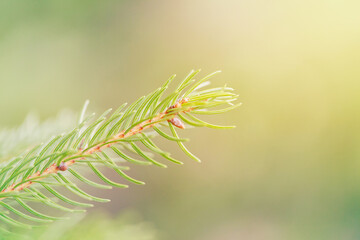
105 142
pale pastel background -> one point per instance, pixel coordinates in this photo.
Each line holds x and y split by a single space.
290 170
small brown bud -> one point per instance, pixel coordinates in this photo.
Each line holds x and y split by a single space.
176 105
63 166
177 122
184 100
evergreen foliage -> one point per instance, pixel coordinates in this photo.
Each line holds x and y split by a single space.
40 175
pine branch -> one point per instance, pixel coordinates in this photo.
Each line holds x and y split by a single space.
44 168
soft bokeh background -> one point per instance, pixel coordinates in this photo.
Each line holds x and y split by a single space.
290 170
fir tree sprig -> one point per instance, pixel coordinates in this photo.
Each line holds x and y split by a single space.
36 175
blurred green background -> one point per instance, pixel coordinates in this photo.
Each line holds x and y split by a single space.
290 170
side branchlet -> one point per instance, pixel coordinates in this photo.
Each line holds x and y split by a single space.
106 142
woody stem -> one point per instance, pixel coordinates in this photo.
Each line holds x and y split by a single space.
97 148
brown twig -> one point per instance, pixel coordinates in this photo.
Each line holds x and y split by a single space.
64 165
